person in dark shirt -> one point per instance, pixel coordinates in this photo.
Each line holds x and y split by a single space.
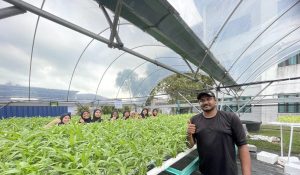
85 117
216 133
97 115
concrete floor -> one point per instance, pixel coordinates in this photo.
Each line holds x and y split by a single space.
261 168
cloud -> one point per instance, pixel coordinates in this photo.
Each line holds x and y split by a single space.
187 10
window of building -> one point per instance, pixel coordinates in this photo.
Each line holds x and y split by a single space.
234 107
289 107
291 61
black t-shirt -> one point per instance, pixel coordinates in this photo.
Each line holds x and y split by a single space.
216 138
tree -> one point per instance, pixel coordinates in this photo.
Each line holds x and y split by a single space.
107 109
178 83
138 85
110 109
81 108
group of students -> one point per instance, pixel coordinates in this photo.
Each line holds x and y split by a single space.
85 116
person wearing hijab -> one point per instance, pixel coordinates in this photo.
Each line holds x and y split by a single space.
85 117
97 116
65 118
154 112
114 115
145 113
126 115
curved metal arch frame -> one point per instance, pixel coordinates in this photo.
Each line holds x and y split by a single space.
269 59
83 51
32 51
30 76
97 89
31 54
132 71
267 51
277 61
268 68
260 34
56 19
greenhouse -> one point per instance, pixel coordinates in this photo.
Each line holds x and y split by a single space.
147 61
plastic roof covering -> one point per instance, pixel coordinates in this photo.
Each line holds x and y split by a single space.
67 60
245 41
247 37
160 20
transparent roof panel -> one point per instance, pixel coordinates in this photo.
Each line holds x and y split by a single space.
244 37
257 61
280 30
245 42
277 58
205 17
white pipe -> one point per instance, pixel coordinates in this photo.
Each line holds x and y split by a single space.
281 141
291 141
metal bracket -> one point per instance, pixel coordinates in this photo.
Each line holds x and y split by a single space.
188 64
113 25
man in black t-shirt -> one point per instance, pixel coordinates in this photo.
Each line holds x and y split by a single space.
216 133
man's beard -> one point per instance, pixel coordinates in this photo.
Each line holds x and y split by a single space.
208 109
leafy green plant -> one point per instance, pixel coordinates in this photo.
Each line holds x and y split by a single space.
118 147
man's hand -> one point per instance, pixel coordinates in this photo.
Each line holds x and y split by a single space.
191 128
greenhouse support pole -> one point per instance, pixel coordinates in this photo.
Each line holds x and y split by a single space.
188 64
111 25
10 11
254 104
259 82
229 108
56 19
189 102
253 97
115 23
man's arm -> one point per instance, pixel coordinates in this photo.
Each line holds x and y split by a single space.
245 159
52 123
190 140
239 137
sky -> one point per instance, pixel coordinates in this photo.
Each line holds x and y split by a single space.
57 49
